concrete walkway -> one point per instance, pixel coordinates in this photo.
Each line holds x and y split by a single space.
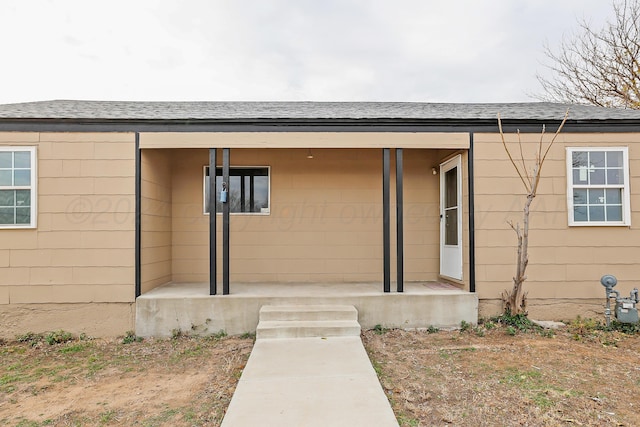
309 382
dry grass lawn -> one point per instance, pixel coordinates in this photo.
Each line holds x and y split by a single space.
485 376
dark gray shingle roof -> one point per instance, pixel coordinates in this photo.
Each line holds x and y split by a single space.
306 111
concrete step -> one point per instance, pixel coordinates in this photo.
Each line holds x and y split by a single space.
306 328
308 312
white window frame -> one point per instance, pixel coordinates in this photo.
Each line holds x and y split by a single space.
266 211
33 187
625 198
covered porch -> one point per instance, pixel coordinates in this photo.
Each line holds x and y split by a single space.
188 307
353 218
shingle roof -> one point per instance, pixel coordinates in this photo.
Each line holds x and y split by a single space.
306 111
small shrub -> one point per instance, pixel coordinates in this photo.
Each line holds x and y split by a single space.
378 329
30 338
478 331
432 329
488 325
248 335
518 321
176 333
627 328
584 328
58 337
220 334
511 330
131 337
465 326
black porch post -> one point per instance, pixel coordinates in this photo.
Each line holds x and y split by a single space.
225 223
213 272
138 218
386 219
472 219
399 220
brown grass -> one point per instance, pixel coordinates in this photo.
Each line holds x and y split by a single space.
463 379
579 377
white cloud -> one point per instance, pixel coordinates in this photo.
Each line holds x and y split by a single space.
403 50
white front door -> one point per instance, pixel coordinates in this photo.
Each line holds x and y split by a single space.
451 219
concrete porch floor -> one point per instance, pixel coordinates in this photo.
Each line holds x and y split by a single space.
189 308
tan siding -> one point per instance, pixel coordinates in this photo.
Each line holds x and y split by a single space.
325 222
156 219
82 249
565 262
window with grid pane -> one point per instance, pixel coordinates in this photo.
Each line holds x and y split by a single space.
598 187
17 187
248 189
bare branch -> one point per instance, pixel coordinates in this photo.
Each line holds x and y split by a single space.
598 66
504 143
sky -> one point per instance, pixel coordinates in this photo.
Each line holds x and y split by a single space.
283 50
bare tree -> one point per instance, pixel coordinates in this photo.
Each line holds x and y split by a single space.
515 301
598 67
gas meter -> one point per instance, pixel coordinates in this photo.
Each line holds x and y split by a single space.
625 308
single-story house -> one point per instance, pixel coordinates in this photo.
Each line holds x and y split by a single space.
191 215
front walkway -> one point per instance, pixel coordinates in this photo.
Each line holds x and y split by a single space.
309 382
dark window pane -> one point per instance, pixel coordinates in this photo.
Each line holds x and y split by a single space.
22 159
451 227
5 159
579 158
596 196
7 216
596 158
23 197
22 177
581 176
614 159
451 187
614 213
596 213
5 178
261 193
23 215
580 214
580 196
7 198
614 196
614 176
596 177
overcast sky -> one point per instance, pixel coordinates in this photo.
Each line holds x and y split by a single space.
287 50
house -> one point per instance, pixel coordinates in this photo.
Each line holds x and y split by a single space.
398 208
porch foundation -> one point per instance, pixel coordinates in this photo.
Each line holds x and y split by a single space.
188 307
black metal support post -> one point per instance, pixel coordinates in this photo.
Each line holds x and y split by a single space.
386 219
472 219
225 223
138 218
213 271
399 221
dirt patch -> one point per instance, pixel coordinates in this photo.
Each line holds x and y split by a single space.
463 379
177 382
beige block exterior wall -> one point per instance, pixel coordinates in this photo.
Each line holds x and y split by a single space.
565 263
82 251
325 221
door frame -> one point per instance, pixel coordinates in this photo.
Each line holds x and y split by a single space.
453 268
